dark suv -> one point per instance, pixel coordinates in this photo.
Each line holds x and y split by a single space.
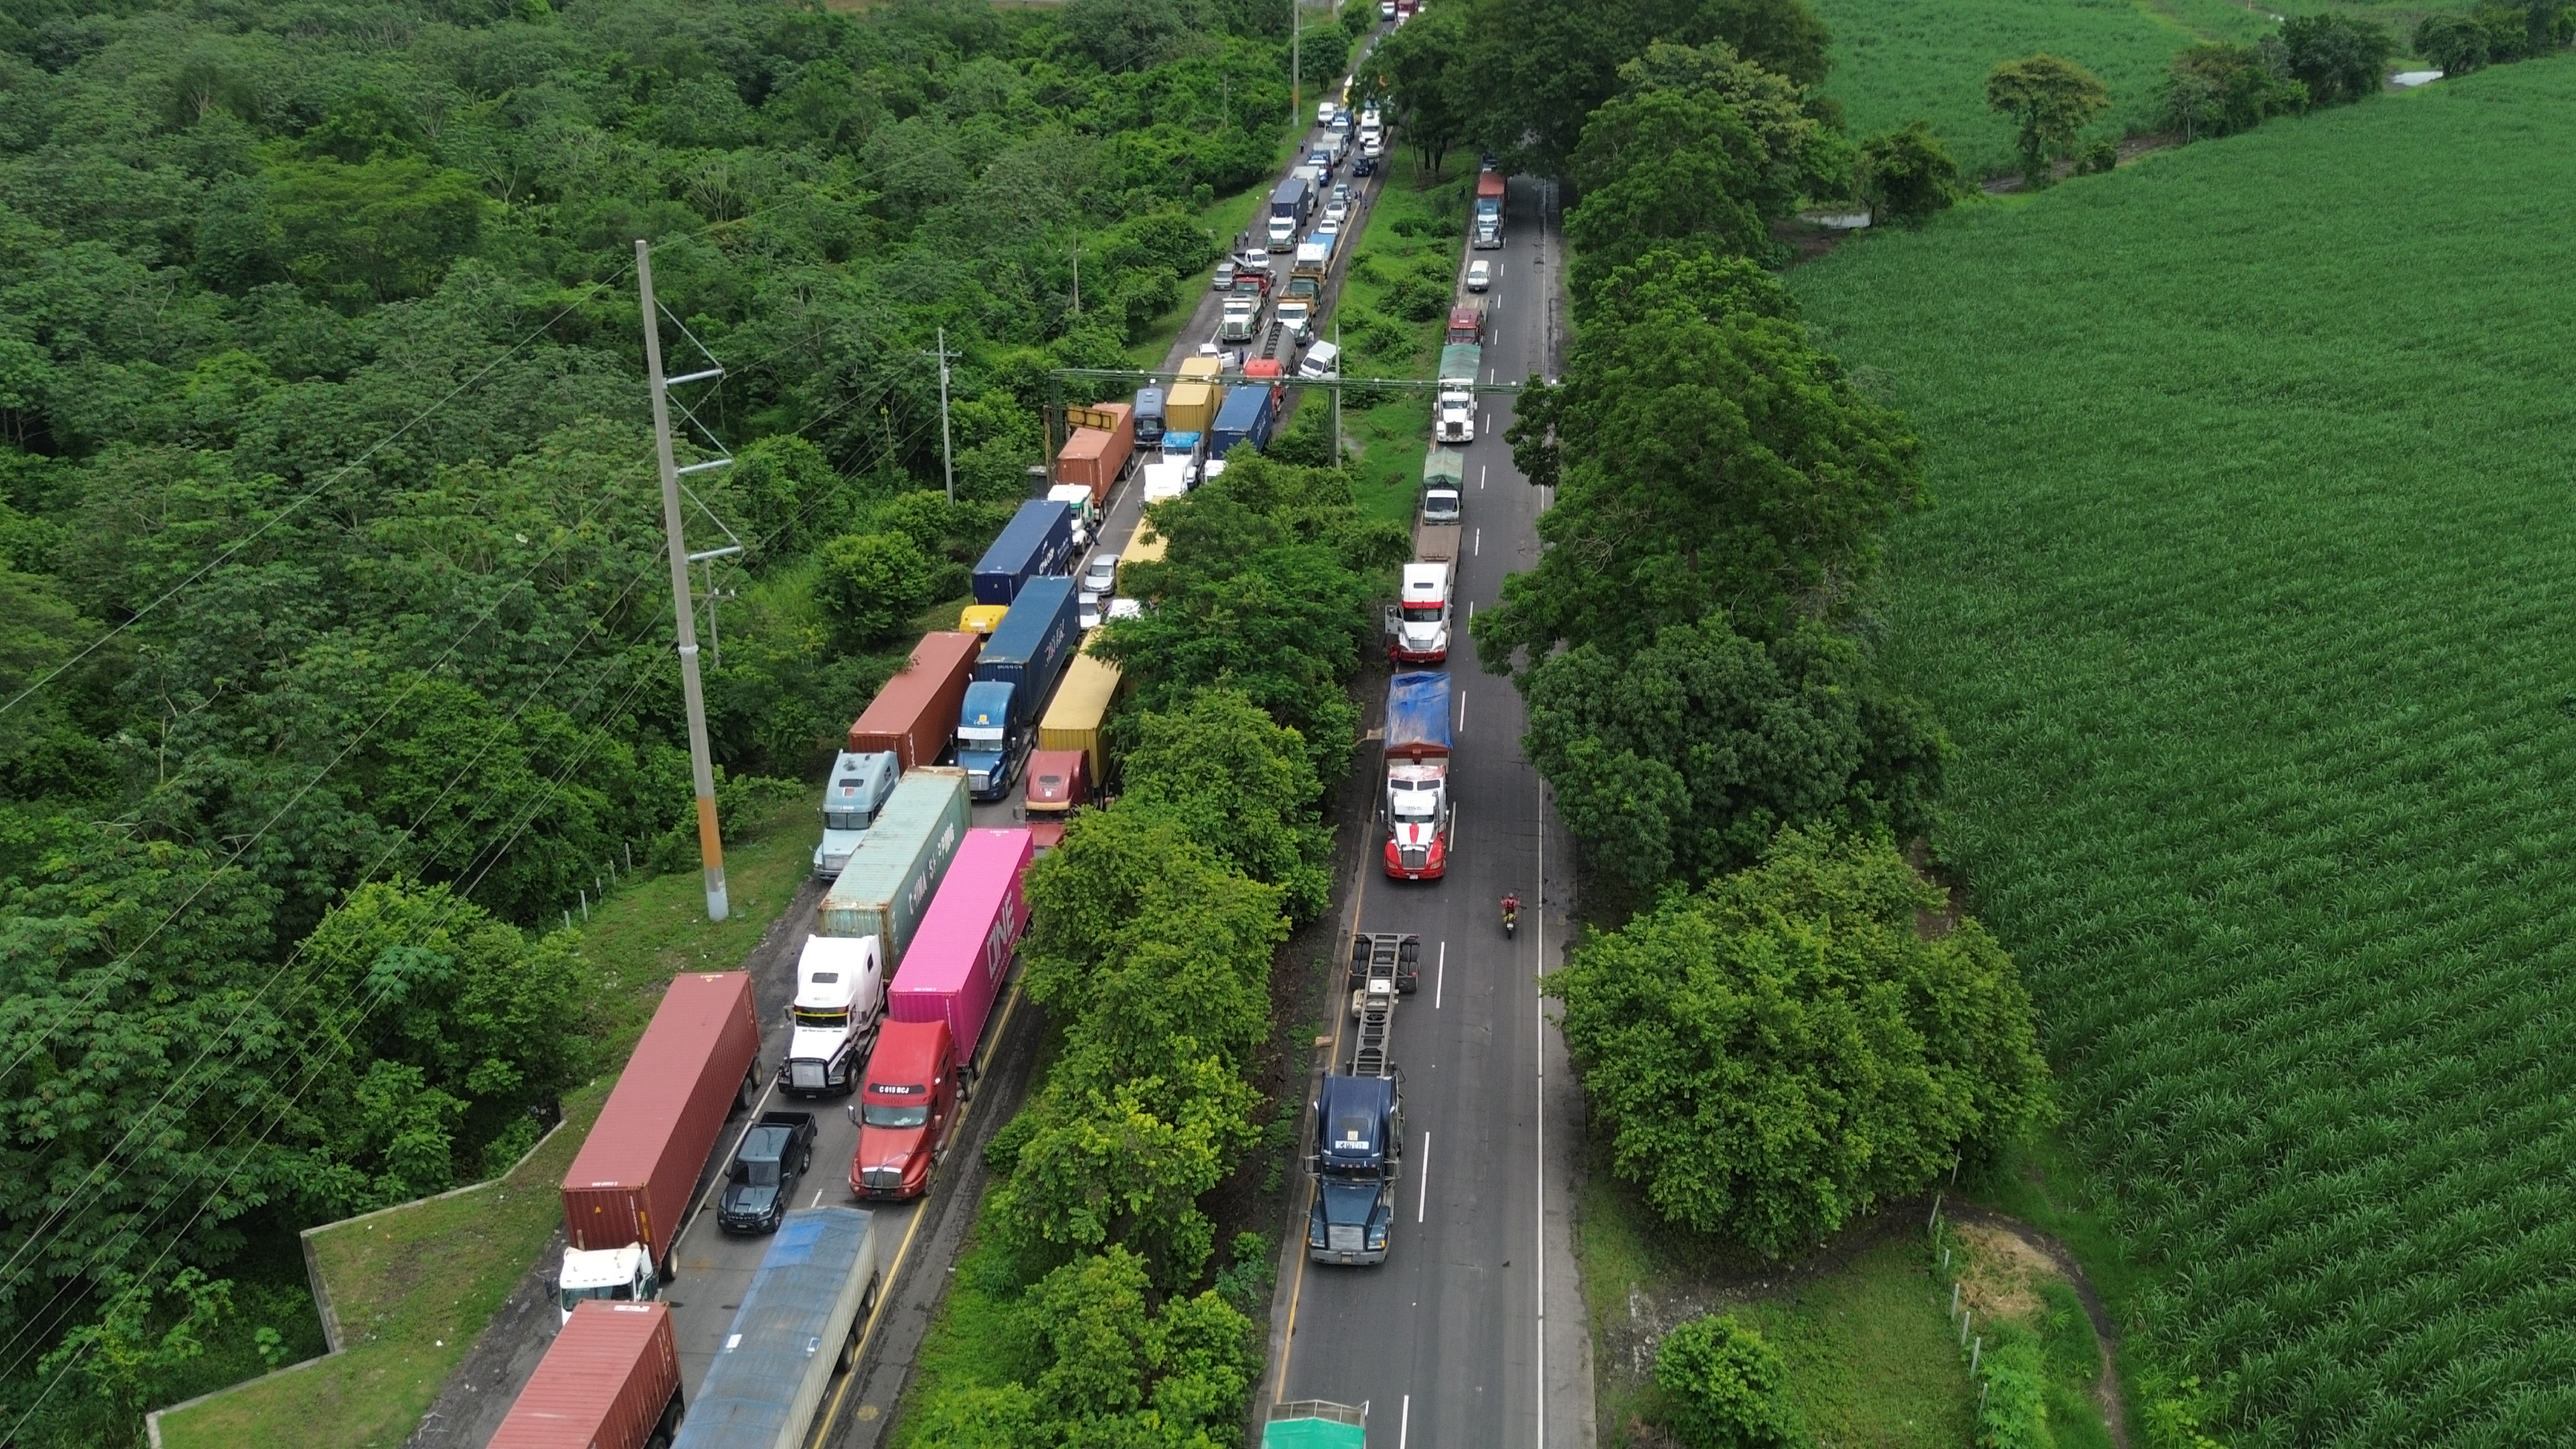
773 1155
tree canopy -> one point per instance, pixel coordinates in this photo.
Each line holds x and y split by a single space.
1776 1052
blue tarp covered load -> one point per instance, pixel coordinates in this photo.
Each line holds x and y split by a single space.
1417 714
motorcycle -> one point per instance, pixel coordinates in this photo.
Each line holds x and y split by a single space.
1511 916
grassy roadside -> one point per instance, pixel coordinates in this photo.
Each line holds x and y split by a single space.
413 1285
1863 1327
1394 307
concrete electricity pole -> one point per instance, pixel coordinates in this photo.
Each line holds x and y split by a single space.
683 614
947 463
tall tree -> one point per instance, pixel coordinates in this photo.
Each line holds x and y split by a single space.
1707 457
2050 100
1778 1052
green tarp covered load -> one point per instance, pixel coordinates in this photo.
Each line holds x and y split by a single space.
1315 1424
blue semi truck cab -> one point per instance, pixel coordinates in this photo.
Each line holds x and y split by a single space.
1359 1154
1015 672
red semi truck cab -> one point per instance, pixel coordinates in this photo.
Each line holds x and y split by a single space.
907 1106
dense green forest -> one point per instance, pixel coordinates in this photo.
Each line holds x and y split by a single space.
334 638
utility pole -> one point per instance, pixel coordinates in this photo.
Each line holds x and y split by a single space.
947 463
701 768
1337 392
1077 274
1296 61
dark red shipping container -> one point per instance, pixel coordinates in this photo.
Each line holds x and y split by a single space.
632 1180
603 1384
915 715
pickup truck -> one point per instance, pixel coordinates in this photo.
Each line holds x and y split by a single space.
774 1154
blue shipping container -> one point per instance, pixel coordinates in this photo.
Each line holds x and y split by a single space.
1038 540
1245 418
1033 646
1417 715
797 1325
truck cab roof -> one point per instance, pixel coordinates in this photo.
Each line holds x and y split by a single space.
832 971
908 1056
1425 582
1352 1120
1053 774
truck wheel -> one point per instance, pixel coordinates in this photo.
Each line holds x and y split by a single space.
850 1345
750 1092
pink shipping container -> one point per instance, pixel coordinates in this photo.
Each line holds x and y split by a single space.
1095 458
632 1179
609 1380
962 950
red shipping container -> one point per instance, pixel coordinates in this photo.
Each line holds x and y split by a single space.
915 715
1095 458
961 951
632 1179
604 1383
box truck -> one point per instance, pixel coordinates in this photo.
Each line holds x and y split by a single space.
852 794
1027 654
1036 542
1489 210
610 1380
1289 203
889 880
627 1193
915 715
798 1328
956 964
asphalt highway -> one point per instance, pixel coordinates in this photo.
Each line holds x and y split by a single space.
1470 1335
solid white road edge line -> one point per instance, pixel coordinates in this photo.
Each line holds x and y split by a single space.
1440 981
1422 1204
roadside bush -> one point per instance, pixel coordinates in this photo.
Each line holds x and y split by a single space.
2220 89
872 584
1418 298
2339 59
2100 155
1724 1388
2013 1414
1907 175
1775 1053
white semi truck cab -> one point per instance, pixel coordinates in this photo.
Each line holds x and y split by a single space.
858 785
622 1274
840 996
1422 609
1457 422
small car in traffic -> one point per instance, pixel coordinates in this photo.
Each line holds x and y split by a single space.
1480 275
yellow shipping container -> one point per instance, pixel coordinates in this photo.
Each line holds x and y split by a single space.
1081 704
1139 550
1190 407
1205 369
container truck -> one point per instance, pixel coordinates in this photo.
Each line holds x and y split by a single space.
798 1328
610 1380
1456 420
1185 447
1096 457
1036 542
890 877
1420 632
840 994
852 794
1417 807
626 1195
955 967
905 1112
1026 655
1245 418
1289 203
1240 320
1489 210
915 715
1192 408
1149 415
1082 703
1086 509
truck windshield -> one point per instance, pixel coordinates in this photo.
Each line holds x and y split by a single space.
614 1291
845 820
875 1115
1419 612
981 737
822 1016
1413 804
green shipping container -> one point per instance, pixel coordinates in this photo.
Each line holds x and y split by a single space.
891 877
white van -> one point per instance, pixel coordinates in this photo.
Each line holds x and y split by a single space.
1321 360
